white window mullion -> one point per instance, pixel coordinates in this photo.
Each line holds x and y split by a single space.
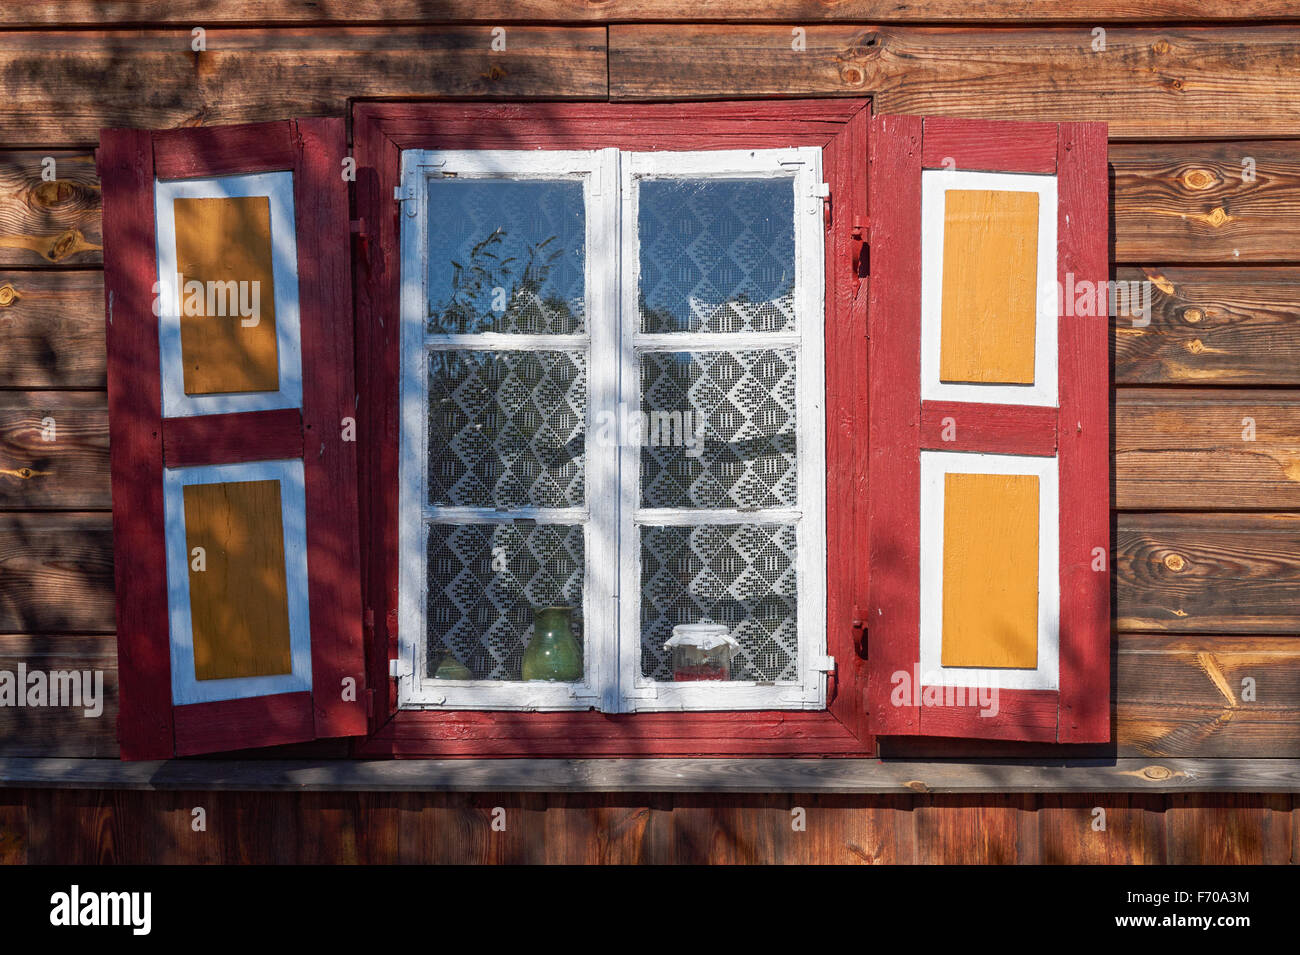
629 487
602 447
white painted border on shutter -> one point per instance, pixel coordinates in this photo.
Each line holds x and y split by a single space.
278 188
934 465
934 183
293 516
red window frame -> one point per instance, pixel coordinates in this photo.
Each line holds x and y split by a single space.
381 131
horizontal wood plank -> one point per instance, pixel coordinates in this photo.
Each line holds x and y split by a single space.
1206 449
54 450
85 731
845 776
154 79
52 323
56 572
1208 695
49 208
1207 326
1215 82
66 13
1189 572
1205 202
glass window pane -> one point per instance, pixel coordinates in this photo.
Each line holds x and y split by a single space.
739 575
485 584
506 256
507 429
718 429
717 255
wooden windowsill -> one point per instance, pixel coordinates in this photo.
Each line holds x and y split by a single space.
844 776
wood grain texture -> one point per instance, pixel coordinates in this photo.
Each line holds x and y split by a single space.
1205 202
227 439
976 144
1047 773
228 323
66 13
1180 81
1000 830
338 654
62 730
1210 449
1209 326
894 506
239 604
52 323
56 573
1083 438
992 429
1069 832
88 827
1207 572
95 827
990 258
54 450
1229 829
990 570
1207 695
126 169
153 79
49 208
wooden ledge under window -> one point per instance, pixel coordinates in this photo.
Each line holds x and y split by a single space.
844 776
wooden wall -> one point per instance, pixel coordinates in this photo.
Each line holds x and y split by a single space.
1206 525
91 827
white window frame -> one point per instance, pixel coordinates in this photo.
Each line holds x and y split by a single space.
613 343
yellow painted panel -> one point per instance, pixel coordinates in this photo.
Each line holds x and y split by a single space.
990 570
239 607
990 268
227 330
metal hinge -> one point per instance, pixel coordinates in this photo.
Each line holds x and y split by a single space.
399 668
823 664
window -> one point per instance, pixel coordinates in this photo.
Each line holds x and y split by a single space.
832 385
612 404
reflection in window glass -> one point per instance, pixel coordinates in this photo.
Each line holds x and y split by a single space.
506 256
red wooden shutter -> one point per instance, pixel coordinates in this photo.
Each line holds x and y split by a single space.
989 483
234 482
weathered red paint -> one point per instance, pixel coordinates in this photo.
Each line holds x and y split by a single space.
125 161
381 131
988 145
142 441
991 429
902 425
1084 440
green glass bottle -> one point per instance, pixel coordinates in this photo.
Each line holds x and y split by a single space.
449 668
553 653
